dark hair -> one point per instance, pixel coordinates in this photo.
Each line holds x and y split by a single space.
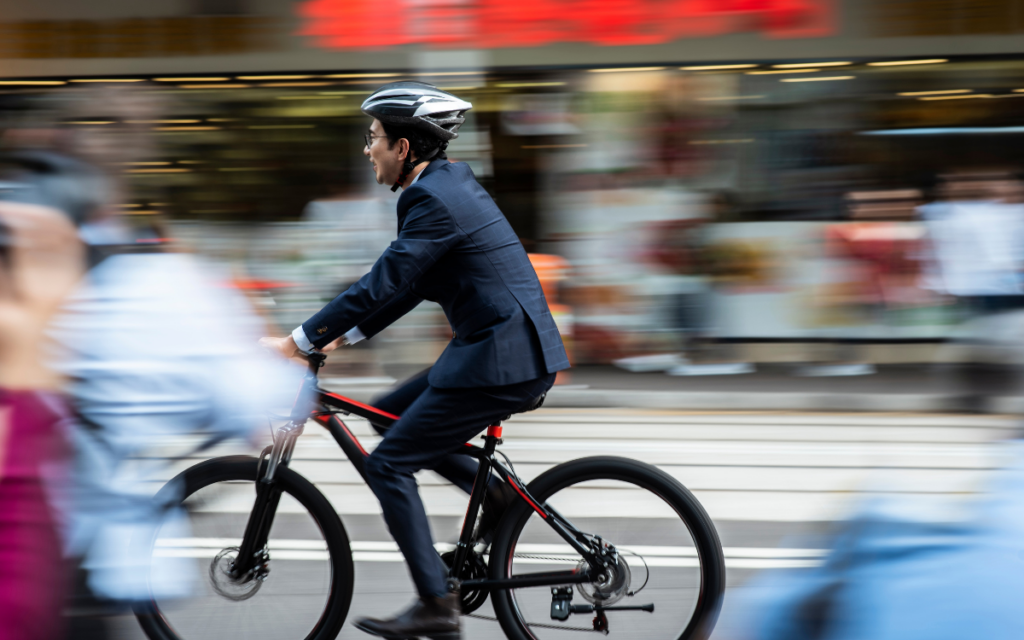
421 143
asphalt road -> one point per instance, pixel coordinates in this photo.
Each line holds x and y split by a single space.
774 483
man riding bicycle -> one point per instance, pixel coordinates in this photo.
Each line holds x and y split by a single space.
456 248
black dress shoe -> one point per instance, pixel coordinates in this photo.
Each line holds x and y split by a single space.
434 618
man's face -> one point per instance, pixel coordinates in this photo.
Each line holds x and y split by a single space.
387 163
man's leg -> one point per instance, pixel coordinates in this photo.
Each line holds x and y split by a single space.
459 470
437 423
401 397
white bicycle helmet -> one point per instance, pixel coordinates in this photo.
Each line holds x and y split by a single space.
419 105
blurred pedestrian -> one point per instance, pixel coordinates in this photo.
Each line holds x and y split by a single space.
976 232
889 576
152 346
40 261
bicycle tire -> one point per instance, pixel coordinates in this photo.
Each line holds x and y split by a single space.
245 468
705 538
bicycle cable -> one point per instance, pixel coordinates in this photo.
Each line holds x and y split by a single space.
511 468
646 568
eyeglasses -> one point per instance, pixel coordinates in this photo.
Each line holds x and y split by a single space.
369 136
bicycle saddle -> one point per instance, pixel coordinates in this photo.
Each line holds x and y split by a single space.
536 405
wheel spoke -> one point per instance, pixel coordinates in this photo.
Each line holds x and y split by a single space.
301 588
662 553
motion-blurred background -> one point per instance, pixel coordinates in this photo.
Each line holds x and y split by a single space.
733 205
735 181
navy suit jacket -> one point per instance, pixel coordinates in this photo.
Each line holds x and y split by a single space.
456 248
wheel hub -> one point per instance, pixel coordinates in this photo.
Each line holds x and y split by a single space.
234 588
611 584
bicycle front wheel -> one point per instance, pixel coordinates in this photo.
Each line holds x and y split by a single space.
304 590
669 578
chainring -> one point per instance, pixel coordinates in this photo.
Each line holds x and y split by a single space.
476 569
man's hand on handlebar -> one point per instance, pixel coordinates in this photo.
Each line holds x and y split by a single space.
286 347
283 346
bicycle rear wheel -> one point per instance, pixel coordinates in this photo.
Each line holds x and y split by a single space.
305 594
670 555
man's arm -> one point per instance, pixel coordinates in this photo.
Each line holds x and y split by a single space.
370 327
427 233
383 318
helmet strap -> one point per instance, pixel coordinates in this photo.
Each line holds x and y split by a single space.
407 168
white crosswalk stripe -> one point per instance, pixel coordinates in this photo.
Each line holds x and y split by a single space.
741 466
377 551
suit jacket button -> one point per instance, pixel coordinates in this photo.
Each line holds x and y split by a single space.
322 330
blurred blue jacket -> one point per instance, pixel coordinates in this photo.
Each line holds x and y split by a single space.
891 578
455 247
160 360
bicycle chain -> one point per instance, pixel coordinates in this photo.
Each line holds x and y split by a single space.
551 558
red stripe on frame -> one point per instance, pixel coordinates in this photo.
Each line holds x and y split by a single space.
361 405
325 419
528 501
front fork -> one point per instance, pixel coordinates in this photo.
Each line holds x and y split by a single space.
253 554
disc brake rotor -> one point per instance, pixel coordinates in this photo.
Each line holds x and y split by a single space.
609 590
226 585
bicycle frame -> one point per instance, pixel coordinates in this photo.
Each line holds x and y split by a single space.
326 413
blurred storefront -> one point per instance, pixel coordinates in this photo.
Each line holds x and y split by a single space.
744 170
62 37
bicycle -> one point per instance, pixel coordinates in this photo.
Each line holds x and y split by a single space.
600 559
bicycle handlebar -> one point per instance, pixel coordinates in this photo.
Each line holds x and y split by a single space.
316 360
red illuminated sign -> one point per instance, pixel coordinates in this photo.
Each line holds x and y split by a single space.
489 24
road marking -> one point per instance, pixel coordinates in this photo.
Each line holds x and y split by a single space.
382 551
762 466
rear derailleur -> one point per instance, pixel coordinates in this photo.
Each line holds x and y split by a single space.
562 608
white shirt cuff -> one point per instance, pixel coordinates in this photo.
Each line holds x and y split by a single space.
353 336
301 341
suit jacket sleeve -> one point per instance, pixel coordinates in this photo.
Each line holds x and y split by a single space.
427 232
391 312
